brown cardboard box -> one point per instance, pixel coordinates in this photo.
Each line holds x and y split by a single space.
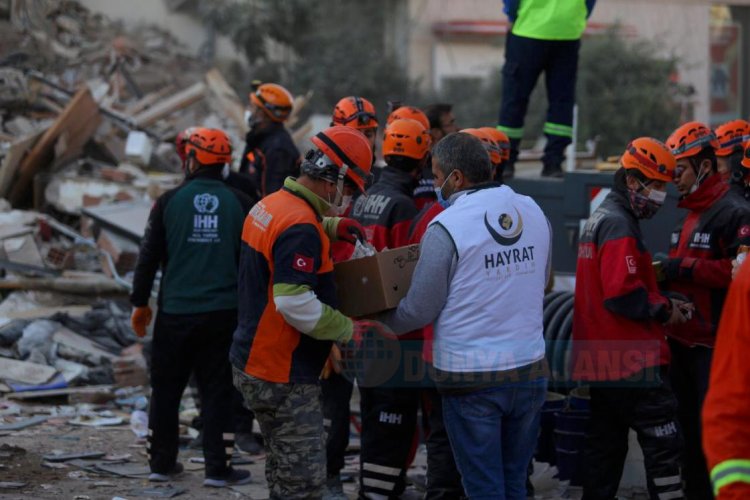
373 284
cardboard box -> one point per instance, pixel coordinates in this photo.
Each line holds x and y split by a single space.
373 284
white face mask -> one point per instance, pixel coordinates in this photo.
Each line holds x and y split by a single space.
697 183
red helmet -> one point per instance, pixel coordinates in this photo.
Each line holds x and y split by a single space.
650 157
181 140
355 112
690 139
731 135
347 149
209 146
490 145
406 138
274 99
501 139
409 113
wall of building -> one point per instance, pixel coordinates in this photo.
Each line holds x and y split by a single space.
184 28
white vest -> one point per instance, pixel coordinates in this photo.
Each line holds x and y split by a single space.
492 319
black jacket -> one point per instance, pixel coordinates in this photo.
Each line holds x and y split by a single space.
269 157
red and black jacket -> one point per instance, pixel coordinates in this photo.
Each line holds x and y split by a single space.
387 210
618 310
424 193
701 251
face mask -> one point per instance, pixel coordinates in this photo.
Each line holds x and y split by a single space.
646 207
439 192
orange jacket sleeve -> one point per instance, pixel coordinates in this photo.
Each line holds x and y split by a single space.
726 412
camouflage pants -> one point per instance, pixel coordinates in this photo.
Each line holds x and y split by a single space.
291 421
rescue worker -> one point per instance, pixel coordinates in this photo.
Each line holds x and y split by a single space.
193 232
287 315
742 179
389 411
243 418
726 435
699 266
618 331
442 122
270 154
503 144
731 137
545 36
358 113
490 247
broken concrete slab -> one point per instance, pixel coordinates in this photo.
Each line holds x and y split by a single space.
24 423
64 457
24 371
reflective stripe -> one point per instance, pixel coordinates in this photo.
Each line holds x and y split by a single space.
513 133
326 422
229 450
381 469
730 471
229 436
671 495
666 481
150 431
558 129
377 483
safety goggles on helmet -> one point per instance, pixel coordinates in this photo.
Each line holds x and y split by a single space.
276 109
700 142
317 164
363 119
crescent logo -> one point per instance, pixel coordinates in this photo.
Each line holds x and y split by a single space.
303 263
507 223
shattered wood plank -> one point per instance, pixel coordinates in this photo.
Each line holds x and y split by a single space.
224 99
56 393
25 371
9 167
81 343
44 312
148 100
92 285
171 104
74 127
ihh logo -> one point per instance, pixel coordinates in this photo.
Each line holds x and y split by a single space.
206 203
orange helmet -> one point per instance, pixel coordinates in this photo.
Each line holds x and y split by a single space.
347 149
501 139
409 113
746 156
731 135
493 150
355 112
690 139
209 146
181 140
406 138
274 99
650 157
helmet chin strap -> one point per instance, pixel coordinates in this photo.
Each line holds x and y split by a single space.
340 185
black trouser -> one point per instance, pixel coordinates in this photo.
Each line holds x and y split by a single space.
525 60
184 344
689 373
389 422
443 478
652 412
337 392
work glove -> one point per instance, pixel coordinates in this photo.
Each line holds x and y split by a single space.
670 268
140 319
349 230
333 363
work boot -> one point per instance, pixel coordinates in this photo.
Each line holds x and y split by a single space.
234 477
245 441
334 489
159 477
550 170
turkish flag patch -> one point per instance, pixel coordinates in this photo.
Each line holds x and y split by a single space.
303 263
744 231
